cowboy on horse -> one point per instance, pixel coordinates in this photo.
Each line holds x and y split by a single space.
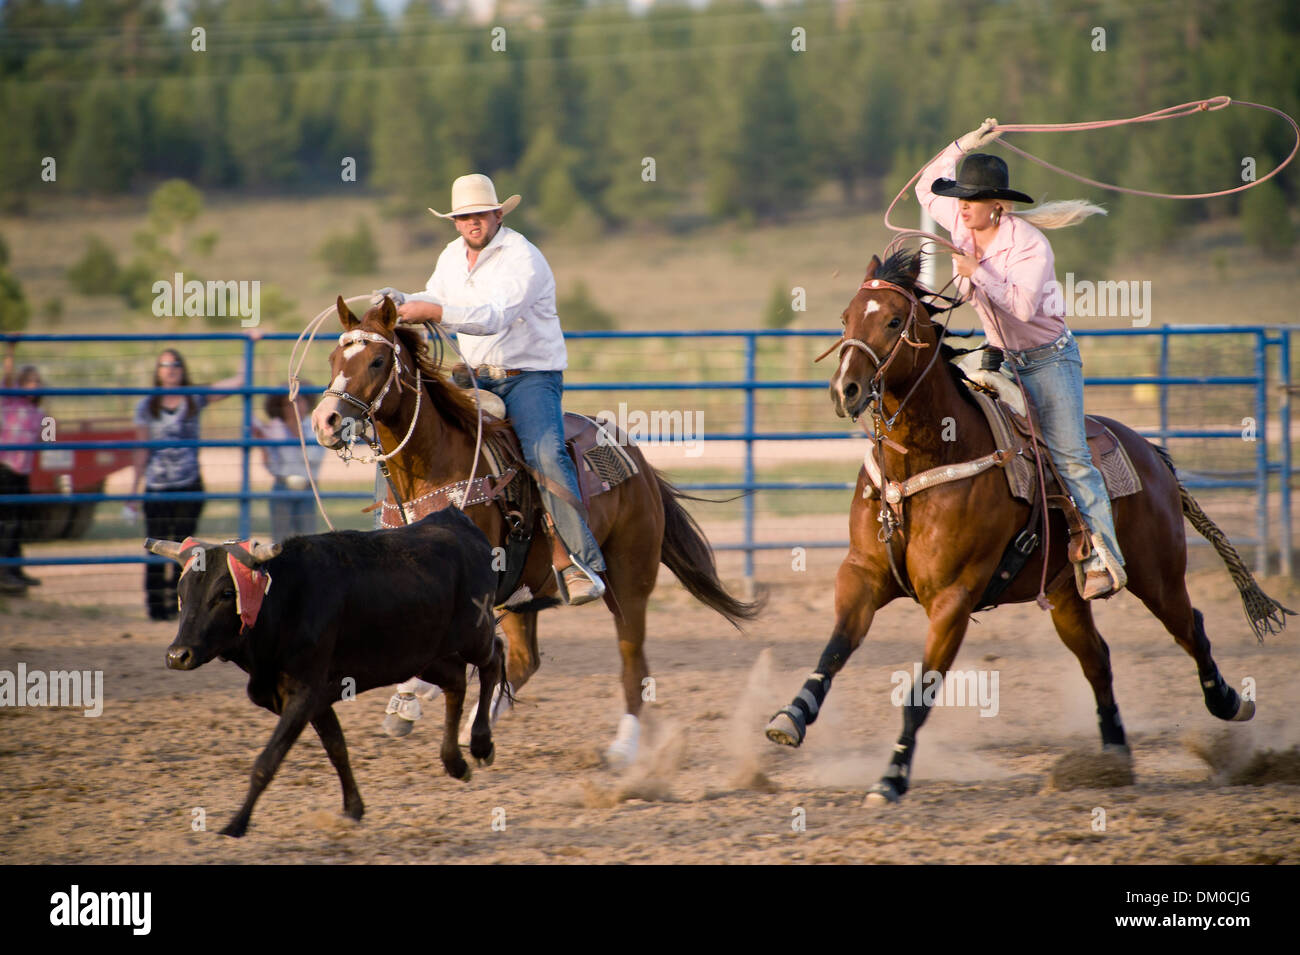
495 289
1008 272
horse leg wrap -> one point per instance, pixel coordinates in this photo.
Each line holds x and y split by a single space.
1222 700
894 783
1112 730
811 695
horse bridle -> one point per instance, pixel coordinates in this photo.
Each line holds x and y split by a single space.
905 338
368 411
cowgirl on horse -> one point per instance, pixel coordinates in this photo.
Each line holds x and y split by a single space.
1008 274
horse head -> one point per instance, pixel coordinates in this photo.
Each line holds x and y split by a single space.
885 325
364 367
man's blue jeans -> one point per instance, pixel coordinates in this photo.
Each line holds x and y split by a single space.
1055 384
533 406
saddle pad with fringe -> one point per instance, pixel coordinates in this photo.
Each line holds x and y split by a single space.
1108 454
602 464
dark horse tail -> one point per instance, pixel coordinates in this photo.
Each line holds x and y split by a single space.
687 554
1265 614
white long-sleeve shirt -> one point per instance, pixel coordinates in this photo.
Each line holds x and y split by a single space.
503 310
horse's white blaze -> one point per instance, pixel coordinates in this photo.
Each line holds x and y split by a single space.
353 349
872 306
839 375
340 382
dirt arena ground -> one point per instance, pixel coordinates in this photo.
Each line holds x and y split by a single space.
707 788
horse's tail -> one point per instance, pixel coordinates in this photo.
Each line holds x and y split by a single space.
687 554
1265 614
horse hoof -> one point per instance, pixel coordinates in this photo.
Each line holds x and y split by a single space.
622 752
464 773
1117 749
489 759
619 755
397 726
783 730
1245 712
881 794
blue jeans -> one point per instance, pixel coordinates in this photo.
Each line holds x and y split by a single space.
533 406
1055 383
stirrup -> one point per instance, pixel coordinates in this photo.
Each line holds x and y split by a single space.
584 574
1100 562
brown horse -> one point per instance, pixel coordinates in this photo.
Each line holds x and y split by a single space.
954 534
638 523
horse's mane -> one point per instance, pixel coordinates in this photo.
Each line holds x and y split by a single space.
901 269
451 403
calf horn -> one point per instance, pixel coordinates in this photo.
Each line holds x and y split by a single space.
262 552
252 554
163 548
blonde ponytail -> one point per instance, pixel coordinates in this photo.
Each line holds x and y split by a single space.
1060 214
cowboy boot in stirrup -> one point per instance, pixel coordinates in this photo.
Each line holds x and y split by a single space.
577 583
580 583
1103 575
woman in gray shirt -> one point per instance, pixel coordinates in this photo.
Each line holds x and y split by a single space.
167 471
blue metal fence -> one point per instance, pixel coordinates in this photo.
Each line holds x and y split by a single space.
1264 339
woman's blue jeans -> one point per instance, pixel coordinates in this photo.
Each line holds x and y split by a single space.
1055 384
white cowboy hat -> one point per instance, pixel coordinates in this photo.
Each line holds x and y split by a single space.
475 193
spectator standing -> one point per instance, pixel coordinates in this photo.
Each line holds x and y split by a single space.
167 471
20 423
286 421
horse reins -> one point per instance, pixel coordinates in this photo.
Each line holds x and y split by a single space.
890 522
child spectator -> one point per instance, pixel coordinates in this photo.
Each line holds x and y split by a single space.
290 518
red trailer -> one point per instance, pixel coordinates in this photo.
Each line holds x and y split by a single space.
60 470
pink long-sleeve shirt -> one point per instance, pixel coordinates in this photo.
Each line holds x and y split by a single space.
1017 273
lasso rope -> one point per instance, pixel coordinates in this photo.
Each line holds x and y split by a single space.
296 360
1211 105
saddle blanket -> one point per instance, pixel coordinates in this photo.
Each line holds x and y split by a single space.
1108 454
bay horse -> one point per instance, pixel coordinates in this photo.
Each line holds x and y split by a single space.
953 534
638 523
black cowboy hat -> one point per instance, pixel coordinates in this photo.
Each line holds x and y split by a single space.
980 176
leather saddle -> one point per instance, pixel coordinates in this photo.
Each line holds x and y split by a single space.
1012 429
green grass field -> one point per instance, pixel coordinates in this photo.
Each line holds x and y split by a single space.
716 277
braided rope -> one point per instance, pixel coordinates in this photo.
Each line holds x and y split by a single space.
1265 614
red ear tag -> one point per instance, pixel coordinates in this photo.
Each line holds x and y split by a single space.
250 587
